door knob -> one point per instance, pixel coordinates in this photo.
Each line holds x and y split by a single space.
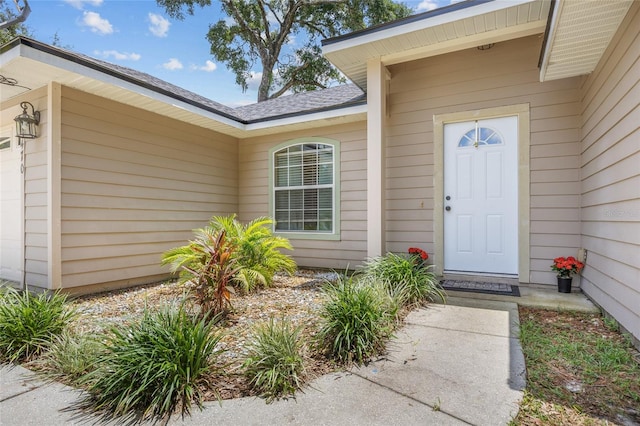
447 208
447 198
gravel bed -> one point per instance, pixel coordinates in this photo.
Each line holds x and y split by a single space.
297 298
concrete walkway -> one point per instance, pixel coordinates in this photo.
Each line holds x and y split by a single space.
448 365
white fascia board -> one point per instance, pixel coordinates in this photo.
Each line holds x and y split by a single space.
553 27
10 55
422 24
305 118
70 66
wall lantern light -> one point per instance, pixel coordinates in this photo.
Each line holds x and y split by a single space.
27 125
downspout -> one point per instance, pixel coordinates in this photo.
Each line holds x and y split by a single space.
23 196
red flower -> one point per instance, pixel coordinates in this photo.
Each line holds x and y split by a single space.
565 267
418 251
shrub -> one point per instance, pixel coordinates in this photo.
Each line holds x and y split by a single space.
275 364
69 357
226 252
257 250
152 368
356 320
206 263
28 323
414 283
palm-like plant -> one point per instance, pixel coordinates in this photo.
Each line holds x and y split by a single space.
257 250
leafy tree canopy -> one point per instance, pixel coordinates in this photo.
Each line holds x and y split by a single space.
256 31
7 11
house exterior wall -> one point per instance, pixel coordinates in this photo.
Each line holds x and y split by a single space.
133 185
610 177
472 80
35 187
254 194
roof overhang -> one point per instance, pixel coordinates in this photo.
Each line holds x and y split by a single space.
579 33
459 26
34 66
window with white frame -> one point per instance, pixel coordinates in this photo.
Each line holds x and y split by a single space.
304 188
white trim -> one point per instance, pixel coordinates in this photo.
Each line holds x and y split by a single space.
337 162
422 24
376 95
553 27
54 184
305 118
66 65
524 191
9 56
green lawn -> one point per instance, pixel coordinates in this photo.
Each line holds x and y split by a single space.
580 370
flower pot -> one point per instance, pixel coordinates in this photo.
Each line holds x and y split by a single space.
564 284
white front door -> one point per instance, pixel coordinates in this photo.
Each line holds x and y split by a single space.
481 196
10 208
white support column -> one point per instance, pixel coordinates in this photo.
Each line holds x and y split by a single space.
376 114
54 179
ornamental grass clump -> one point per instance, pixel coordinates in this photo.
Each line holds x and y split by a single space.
153 368
69 357
356 320
29 323
275 364
406 275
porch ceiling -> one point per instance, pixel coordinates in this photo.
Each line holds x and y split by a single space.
460 26
579 33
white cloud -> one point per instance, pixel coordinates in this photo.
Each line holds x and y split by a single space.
97 24
159 26
172 65
208 66
79 4
253 82
426 5
120 56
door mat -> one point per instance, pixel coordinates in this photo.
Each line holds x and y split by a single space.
478 287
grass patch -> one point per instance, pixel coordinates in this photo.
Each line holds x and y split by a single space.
580 370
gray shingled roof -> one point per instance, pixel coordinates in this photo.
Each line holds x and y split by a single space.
301 103
297 104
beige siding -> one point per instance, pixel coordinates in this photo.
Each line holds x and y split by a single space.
610 175
36 206
254 190
506 74
135 184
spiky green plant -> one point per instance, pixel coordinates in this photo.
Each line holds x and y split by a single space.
207 263
274 363
355 320
415 284
258 251
69 357
152 368
29 323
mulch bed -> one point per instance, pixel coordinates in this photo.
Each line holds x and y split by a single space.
297 298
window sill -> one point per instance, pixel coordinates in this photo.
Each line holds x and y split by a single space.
308 236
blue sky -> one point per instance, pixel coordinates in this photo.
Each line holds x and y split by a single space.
140 35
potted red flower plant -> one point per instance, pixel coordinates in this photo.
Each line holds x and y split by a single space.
565 268
418 256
